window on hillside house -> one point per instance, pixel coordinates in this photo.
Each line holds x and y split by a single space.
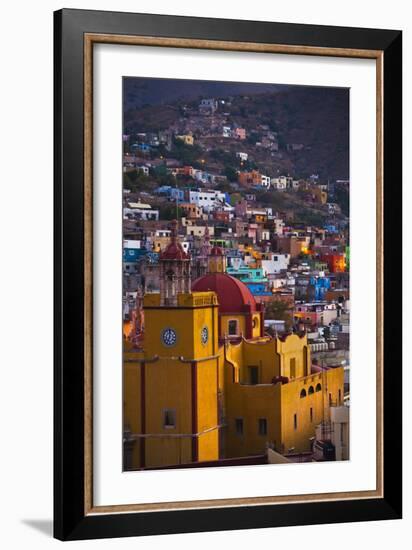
263 426
169 418
295 421
311 414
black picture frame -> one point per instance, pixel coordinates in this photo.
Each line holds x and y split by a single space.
70 520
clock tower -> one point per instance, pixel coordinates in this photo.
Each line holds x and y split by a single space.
177 380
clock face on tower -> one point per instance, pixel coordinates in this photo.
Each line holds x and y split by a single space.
204 335
169 337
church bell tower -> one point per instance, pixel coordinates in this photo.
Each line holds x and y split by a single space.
217 260
175 275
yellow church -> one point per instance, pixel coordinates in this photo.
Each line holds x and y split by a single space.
205 383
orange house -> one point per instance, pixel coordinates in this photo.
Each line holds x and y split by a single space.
336 262
250 178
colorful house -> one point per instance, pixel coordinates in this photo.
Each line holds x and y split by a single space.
320 286
336 262
186 138
253 177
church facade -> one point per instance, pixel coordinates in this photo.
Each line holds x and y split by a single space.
205 383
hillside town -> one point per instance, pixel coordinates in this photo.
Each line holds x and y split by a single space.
216 217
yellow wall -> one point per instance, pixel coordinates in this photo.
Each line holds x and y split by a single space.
294 348
207 409
217 264
291 403
131 402
194 312
168 386
264 356
273 358
169 383
224 320
256 326
222 386
251 403
277 403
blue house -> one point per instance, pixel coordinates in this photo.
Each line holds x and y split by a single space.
164 190
321 285
133 255
176 194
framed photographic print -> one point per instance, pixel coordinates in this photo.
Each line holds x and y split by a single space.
227 274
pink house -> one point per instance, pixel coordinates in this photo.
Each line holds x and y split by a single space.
252 230
239 133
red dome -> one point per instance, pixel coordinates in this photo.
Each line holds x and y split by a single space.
233 295
174 251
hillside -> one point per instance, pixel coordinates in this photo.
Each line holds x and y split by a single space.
312 120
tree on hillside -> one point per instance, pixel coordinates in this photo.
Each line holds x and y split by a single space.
342 199
187 154
280 311
135 181
168 211
230 173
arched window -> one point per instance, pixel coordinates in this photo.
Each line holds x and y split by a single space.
318 387
303 393
310 390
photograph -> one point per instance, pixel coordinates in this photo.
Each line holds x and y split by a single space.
236 273
211 220
227 236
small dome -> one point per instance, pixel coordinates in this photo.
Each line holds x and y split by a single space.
174 250
233 295
216 251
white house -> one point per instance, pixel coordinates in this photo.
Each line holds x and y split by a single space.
278 225
242 156
208 105
143 168
140 211
265 181
226 131
127 243
208 200
163 233
282 182
277 263
279 183
199 230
